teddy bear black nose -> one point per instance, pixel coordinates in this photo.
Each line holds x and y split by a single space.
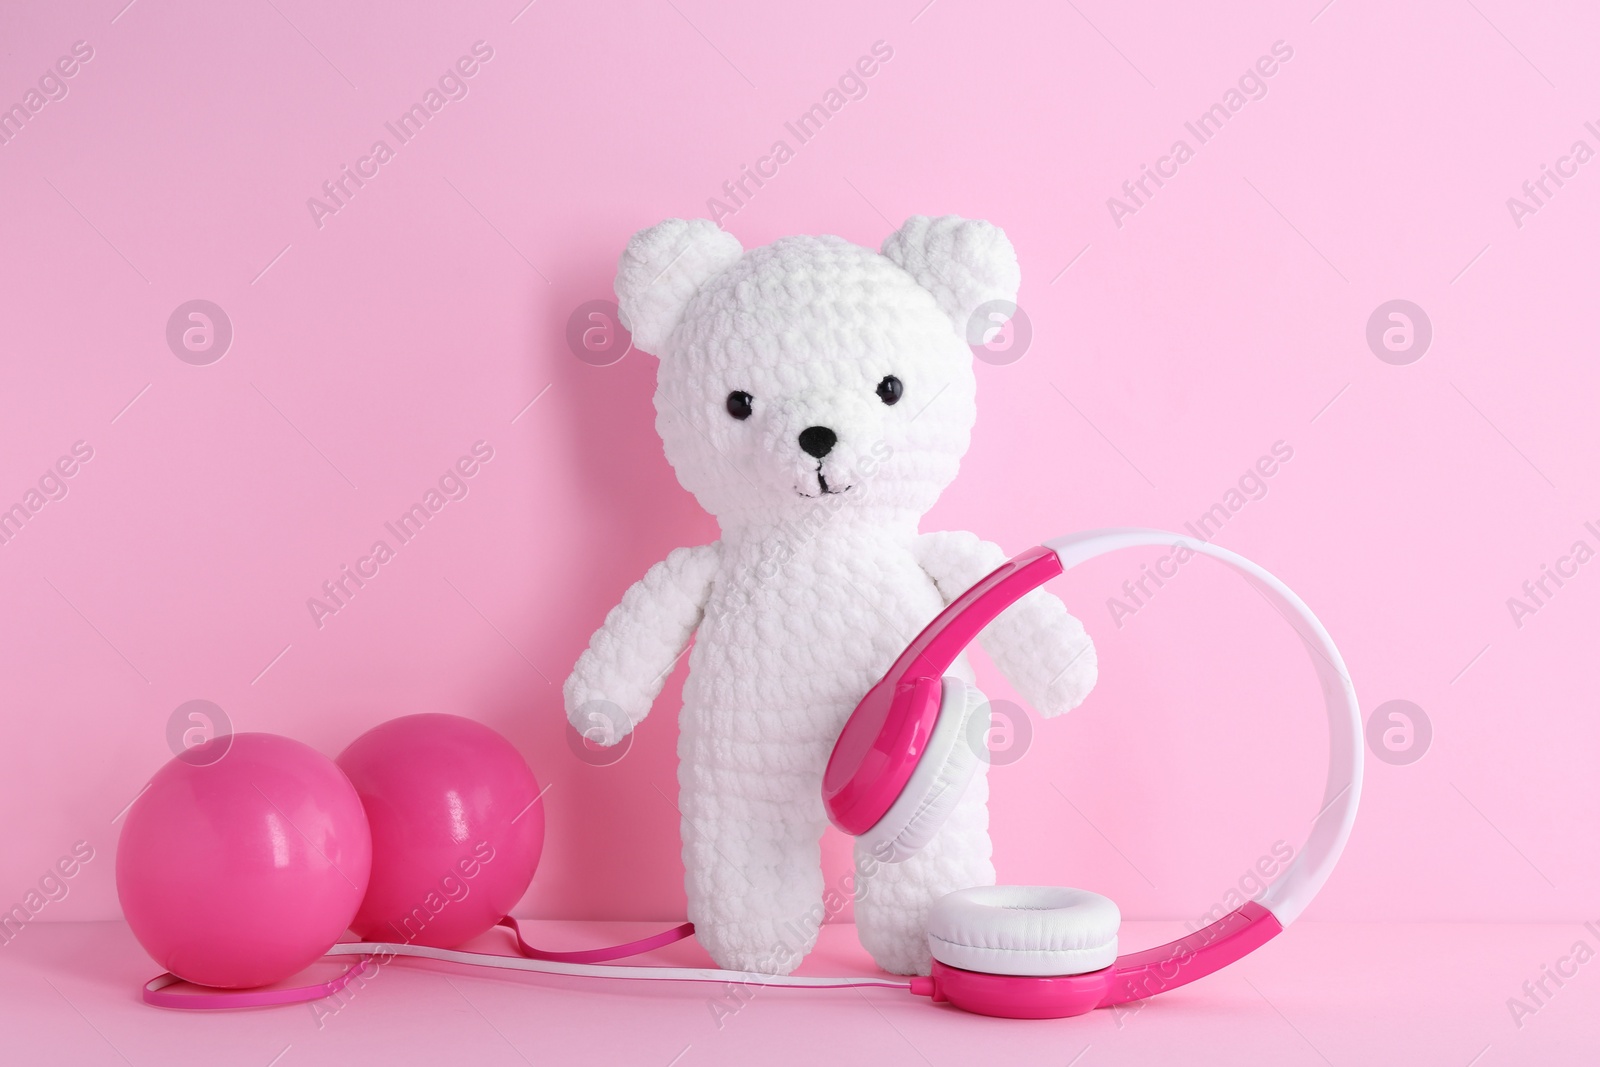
818 441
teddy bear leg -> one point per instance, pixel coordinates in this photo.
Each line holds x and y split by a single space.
893 904
753 874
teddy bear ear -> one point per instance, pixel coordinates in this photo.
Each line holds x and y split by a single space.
661 270
964 263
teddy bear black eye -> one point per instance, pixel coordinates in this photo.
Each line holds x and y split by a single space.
739 404
889 390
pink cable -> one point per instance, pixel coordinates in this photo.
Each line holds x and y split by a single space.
154 990
598 955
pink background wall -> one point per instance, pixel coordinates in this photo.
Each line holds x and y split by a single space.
1226 314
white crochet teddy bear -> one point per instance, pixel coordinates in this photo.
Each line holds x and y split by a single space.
816 397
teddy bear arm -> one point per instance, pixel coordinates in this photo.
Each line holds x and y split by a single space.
1038 645
642 638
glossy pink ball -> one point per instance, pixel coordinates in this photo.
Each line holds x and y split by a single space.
242 870
457 826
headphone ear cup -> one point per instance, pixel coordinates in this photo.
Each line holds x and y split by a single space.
1024 930
941 777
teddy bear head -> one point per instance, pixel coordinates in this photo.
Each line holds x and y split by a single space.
811 370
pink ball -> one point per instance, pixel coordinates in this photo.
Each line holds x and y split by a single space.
241 871
457 826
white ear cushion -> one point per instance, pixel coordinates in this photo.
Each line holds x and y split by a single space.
1024 930
939 780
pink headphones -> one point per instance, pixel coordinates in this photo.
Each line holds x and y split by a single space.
1034 952
896 772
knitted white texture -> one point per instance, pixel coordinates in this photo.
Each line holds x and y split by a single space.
661 269
963 262
809 596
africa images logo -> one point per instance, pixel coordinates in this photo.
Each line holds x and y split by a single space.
452 485
1252 85
851 85
452 85
52 86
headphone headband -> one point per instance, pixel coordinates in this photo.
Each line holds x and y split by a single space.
1289 895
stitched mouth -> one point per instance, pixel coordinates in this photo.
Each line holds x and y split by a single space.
823 488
